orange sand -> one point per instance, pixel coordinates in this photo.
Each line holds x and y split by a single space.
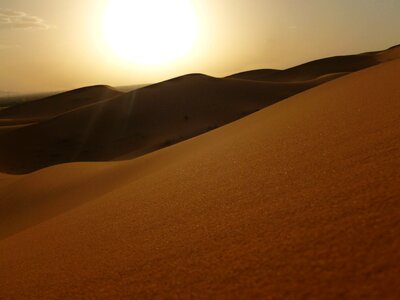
298 200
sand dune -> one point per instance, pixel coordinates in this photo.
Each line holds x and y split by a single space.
99 123
389 54
263 74
38 110
331 65
132 124
298 200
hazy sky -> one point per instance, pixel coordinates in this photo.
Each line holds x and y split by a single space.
56 45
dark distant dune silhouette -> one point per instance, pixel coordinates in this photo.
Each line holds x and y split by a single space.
331 65
389 54
262 74
32 112
99 123
299 200
56 104
314 69
134 123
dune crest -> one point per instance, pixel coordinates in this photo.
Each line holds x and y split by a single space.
60 103
321 67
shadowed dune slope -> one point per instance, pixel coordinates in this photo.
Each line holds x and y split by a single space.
262 74
34 111
299 200
136 123
331 65
99 123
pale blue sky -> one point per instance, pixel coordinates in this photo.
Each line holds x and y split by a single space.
57 44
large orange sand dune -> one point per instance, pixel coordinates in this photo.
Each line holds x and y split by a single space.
298 200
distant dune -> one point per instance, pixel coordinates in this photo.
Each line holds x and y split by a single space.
100 123
11 99
52 106
326 66
297 200
104 124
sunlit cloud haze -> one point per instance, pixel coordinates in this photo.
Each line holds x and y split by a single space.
57 45
10 19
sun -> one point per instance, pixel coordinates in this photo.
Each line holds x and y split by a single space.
150 32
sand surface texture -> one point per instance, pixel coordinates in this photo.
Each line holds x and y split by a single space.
297 200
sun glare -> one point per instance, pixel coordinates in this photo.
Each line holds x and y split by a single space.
150 32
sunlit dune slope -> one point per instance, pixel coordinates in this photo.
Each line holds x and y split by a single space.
138 122
340 65
299 200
